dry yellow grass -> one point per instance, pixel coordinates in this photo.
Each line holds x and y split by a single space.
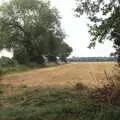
89 74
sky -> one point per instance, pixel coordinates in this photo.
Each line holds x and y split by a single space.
77 31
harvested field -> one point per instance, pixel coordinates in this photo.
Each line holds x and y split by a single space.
88 73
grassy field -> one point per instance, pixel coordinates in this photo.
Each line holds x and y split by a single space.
53 94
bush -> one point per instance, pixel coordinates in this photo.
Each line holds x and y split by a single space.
7 62
0 74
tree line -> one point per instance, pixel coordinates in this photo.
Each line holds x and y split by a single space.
91 59
32 29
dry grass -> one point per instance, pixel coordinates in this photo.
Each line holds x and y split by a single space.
89 74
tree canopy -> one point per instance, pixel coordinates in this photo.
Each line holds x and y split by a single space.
105 21
32 29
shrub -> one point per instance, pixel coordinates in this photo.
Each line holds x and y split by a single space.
0 74
110 92
7 62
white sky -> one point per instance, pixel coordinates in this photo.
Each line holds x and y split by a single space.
77 31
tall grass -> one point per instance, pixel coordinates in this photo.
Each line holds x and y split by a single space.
57 104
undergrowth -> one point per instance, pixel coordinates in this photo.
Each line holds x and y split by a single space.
57 104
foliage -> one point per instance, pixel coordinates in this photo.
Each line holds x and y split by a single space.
7 62
105 18
32 29
0 74
65 51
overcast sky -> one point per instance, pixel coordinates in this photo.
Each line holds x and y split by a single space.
77 31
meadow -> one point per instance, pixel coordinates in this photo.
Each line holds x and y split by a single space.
57 93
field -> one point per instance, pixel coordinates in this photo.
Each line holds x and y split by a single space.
64 75
52 94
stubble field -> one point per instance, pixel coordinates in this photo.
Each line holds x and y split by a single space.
88 73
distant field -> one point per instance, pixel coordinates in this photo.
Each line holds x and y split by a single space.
88 73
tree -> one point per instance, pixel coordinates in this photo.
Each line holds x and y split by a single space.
65 51
31 28
105 18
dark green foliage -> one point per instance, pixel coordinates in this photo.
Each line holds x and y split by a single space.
0 72
52 58
7 62
65 51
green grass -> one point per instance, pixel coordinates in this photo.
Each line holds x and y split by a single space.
56 104
11 70
20 68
